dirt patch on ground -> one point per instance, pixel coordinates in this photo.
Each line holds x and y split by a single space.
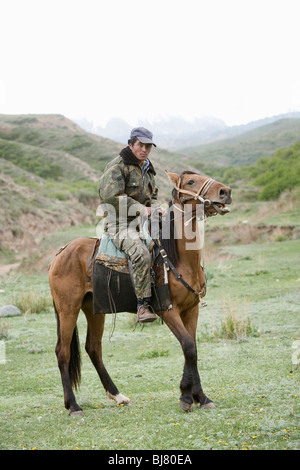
247 233
6 268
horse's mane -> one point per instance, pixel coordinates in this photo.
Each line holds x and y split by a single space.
168 242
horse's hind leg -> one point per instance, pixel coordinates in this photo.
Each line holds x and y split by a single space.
93 347
68 358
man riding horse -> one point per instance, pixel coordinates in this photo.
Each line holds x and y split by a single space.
128 181
125 180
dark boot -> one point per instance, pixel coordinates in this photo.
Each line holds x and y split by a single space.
145 314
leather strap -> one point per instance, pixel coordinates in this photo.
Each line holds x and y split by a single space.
178 276
201 192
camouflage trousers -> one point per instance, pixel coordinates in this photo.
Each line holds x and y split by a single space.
128 240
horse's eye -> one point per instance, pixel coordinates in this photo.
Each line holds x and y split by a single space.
190 182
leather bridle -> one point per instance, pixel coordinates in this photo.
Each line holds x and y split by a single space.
199 194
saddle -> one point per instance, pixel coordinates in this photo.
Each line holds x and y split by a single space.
113 288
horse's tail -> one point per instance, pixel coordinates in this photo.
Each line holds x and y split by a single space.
75 358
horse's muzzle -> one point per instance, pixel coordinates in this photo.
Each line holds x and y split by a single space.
224 198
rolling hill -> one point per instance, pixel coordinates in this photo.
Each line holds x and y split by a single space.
49 172
247 148
50 167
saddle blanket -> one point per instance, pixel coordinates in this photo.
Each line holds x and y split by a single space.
109 256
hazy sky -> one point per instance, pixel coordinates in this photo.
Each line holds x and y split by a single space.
234 59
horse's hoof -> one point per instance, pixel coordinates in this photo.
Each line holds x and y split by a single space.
119 399
76 413
185 406
209 405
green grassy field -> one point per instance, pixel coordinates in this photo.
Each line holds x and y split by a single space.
253 380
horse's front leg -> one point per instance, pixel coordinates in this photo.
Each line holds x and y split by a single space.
190 385
190 379
190 319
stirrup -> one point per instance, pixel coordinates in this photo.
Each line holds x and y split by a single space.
145 314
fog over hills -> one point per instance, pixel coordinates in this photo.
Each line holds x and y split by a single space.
176 133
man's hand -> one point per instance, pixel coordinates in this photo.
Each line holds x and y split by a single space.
148 211
160 210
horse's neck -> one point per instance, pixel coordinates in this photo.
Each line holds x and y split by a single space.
189 240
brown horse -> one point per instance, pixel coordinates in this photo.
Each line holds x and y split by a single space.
72 290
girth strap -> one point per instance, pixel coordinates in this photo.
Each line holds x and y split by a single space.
89 267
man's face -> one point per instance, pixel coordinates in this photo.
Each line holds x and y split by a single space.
140 150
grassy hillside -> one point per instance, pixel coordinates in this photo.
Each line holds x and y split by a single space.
49 173
276 174
246 148
52 147
50 167
56 133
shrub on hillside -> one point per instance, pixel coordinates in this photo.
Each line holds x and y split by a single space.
272 175
31 161
278 173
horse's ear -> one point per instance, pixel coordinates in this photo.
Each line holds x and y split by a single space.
173 177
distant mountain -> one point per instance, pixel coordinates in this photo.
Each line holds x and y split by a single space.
168 133
176 133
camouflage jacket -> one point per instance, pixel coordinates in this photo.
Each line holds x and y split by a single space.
124 179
